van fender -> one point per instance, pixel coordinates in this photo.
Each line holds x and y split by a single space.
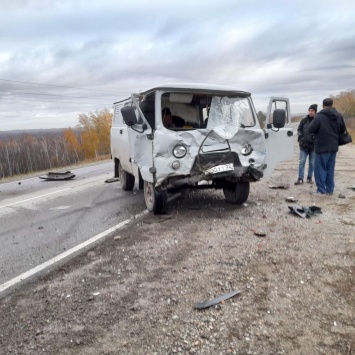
146 175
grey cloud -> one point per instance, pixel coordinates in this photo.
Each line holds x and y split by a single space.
275 47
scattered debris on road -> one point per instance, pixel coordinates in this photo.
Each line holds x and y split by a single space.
59 175
305 212
291 199
114 179
258 232
151 276
280 186
341 196
217 300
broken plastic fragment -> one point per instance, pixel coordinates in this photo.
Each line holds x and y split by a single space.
114 179
279 186
260 233
217 300
291 199
305 212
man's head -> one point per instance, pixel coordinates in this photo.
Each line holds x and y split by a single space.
312 110
165 111
167 118
328 102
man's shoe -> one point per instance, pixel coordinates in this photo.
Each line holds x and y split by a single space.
299 181
309 180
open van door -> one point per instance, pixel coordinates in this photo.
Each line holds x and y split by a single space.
278 133
140 138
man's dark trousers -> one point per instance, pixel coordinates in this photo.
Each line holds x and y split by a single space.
324 172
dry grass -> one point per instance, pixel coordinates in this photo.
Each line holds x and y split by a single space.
350 123
352 133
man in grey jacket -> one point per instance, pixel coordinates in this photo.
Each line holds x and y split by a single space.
326 127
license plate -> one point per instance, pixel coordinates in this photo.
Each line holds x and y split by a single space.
220 169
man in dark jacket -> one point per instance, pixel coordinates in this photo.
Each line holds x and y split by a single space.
306 143
326 127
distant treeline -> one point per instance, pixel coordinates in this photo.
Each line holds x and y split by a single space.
29 152
344 102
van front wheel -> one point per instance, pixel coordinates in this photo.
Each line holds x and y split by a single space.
154 200
236 192
126 179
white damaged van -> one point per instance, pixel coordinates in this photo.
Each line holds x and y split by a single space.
179 136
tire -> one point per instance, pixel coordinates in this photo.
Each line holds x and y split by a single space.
236 192
126 179
154 200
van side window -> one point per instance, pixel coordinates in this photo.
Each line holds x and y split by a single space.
148 109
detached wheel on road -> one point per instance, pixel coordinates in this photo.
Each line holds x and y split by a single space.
154 200
236 192
126 179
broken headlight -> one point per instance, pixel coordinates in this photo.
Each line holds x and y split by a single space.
179 151
247 149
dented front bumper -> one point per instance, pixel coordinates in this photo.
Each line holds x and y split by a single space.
202 165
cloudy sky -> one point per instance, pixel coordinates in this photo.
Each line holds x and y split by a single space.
59 58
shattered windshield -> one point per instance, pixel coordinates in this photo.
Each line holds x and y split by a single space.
225 114
228 114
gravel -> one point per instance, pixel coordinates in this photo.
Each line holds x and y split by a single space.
135 292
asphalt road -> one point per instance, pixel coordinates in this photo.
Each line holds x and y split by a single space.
41 219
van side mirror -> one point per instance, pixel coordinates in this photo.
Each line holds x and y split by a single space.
129 115
279 118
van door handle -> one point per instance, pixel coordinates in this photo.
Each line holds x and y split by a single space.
121 131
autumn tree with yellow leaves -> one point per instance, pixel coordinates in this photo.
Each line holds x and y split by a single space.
73 145
345 103
95 135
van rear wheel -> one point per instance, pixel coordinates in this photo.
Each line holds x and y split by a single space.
154 200
236 192
126 179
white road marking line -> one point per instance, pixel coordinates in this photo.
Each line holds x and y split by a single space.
67 253
59 208
33 198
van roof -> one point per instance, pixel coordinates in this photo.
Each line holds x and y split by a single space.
195 87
